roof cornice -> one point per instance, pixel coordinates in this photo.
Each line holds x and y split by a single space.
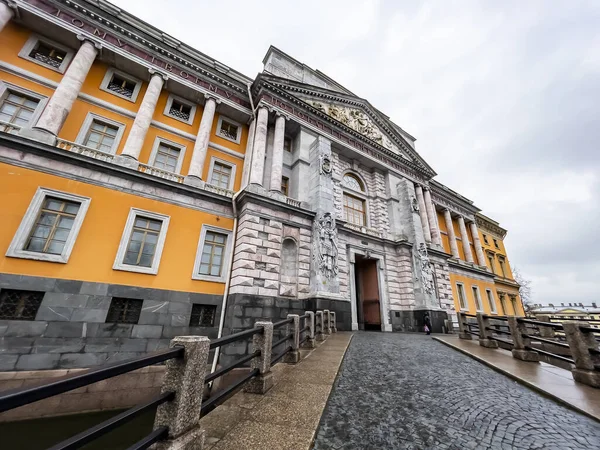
452 200
487 224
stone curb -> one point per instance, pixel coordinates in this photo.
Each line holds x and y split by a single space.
520 380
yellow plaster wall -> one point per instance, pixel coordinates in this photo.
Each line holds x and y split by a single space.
482 285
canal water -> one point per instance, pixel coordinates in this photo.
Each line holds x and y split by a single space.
40 434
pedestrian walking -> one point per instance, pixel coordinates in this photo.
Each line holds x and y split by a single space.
427 321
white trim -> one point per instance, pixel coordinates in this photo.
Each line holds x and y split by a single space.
233 166
224 260
31 44
6 88
15 249
153 269
232 122
108 76
361 196
192 106
460 287
159 140
491 301
87 123
477 298
357 175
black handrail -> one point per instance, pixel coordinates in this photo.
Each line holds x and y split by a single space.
305 316
540 324
589 329
224 370
283 322
282 340
493 316
544 352
306 328
547 341
302 341
498 331
157 435
235 337
502 340
276 359
222 395
468 315
24 396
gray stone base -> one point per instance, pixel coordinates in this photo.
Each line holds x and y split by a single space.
292 357
260 384
488 343
126 161
191 180
412 320
321 336
192 440
526 355
37 134
589 377
309 343
466 336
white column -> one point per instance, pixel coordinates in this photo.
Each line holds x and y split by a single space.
61 102
431 215
6 14
465 239
423 213
477 244
451 234
248 155
277 167
202 139
143 118
260 144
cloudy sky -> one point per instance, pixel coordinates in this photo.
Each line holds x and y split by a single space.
502 96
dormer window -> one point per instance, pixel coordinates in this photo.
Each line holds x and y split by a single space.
48 55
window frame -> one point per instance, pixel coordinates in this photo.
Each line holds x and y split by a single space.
160 140
186 102
211 168
460 288
110 308
108 77
491 301
226 256
32 42
502 264
87 124
363 198
7 88
477 298
21 316
286 184
203 305
233 122
125 237
16 247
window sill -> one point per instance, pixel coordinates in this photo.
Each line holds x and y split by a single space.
214 279
136 269
23 254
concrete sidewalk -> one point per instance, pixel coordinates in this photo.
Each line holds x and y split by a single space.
286 417
549 380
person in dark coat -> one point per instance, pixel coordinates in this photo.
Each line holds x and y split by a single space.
427 321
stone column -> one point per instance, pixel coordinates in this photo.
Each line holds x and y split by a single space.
262 382
310 333
451 234
319 326
260 145
326 322
423 212
521 344
585 352
333 322
465 239
248 155
54 115
485 334
477 244
431 216
6 13
194 176
293 356
462 327
141 124
277 167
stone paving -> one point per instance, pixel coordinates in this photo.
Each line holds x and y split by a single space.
406 391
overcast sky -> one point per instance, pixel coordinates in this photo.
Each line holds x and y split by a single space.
502 96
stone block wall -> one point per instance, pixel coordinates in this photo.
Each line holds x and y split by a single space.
400 279
444 287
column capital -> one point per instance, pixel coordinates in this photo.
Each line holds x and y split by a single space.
84 38
154 72
212 97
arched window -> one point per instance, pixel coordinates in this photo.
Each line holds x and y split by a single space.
353 182
355 211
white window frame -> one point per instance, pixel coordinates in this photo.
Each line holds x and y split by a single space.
361 196
225 260
186 102
133 213
7 88
460 287
16 247
477 298
233 166
233 122
108 76
87 123
491 301
160 140
31 44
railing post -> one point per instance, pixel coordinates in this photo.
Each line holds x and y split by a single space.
293 356
485 335
319 327
327 322
582 344
185 377
545 332
462 327
333 322
310 333
520 343
262 382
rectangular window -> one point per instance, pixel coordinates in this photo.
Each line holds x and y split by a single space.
462 299
48 54
485 239
121 84
491 261
491 302
496 244
101 136
287 144
212 254
513 303
477 298
354 210
19 305
228 129
203 315
221 175
124 310
180 110
502 304
502 267
285 185
17 108
167 157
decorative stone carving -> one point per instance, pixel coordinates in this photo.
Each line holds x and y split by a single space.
327 250
415 204
426 269
325 166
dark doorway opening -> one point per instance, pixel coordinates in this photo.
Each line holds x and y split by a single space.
368 308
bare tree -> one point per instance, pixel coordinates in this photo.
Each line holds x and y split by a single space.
525 291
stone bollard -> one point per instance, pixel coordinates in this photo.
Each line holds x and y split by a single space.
463 328
185 377
485 335
333 322
293 356
310 333
327 322
584 350
319 326
262 382
545 332
520 342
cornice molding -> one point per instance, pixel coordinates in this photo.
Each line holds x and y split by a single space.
492 227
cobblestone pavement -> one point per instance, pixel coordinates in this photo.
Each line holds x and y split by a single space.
405 391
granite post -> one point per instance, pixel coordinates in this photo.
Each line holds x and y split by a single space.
545 332
585 352
333 322
463 328
319 326
262 382
310 333
520 343
293 356
485 334
326 322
